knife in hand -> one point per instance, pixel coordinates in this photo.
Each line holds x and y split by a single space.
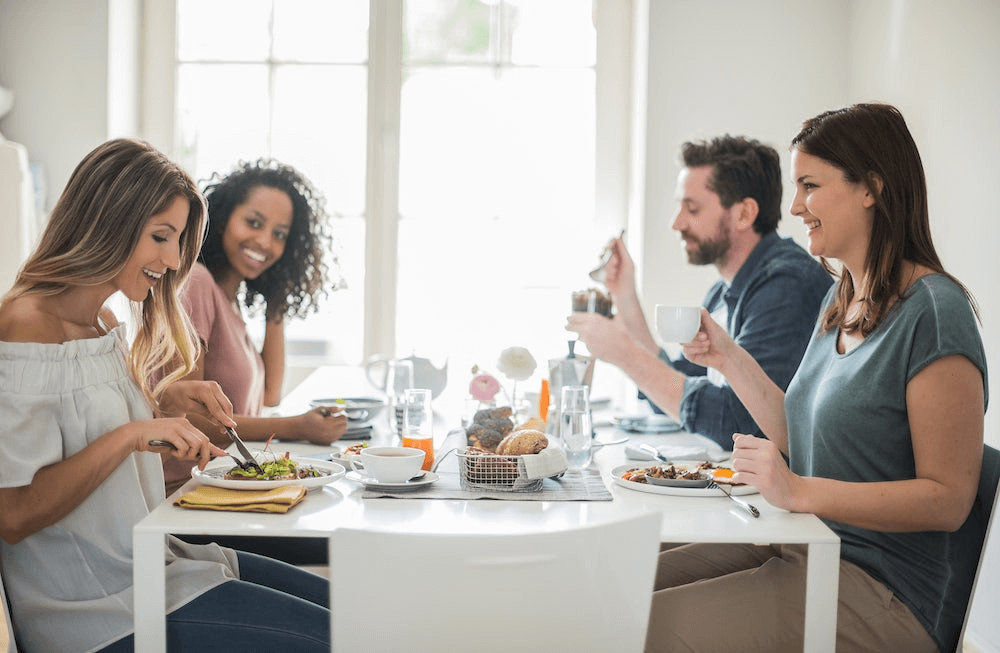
242 448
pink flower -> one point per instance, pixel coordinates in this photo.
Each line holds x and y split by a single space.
484 387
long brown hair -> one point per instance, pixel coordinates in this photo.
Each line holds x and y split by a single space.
93 230
871 145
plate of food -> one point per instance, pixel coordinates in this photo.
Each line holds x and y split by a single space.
344 455
286 470
688 479
358 409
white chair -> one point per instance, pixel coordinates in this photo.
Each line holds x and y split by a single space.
582 589
980 520
7 643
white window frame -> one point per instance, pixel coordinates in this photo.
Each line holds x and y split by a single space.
614 132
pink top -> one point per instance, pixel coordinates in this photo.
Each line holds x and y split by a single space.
231 359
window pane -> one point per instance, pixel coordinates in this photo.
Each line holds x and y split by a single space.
496 195
321 31
224 115
554 32
336 331
319 127
447 30
223 30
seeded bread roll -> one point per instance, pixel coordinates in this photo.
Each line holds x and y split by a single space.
503 412
523 443
484 437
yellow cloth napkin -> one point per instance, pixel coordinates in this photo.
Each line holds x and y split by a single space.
207 497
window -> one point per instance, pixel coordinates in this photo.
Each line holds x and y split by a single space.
462 146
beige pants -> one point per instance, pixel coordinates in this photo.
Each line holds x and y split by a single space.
729 598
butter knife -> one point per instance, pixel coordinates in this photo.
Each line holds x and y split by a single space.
242 448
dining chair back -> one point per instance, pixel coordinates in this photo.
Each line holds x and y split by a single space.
977 527
7 641
579 589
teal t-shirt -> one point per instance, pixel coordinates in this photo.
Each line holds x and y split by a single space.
847 420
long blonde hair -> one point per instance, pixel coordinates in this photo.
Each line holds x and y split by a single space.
94 229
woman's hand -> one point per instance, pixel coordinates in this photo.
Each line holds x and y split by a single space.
321 426
712 346
204 398
758 462
188 442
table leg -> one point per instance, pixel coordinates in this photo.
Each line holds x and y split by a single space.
822 585
149 591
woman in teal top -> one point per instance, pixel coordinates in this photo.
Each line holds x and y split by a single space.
882 425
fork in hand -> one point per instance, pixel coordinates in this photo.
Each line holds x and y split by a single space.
740 502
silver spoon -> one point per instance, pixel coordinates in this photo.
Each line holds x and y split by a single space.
598 274
652 451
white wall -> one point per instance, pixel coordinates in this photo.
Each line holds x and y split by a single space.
54 56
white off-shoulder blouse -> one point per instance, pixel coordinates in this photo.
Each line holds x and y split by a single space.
70 585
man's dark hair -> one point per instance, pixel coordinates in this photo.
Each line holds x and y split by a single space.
741 168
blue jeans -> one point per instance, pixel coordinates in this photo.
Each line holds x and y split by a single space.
274 606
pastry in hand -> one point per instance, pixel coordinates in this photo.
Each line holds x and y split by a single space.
523 443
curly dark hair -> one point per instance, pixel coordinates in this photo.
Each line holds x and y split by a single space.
293 286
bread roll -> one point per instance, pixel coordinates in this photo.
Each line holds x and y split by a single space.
535 423
523 443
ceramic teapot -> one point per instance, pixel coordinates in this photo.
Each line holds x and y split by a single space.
425 374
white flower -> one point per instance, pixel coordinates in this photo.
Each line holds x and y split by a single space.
516 363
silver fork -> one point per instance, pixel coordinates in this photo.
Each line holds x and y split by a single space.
740 502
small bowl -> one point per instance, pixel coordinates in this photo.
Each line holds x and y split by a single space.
358 409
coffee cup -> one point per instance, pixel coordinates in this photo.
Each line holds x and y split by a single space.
677 323
389 464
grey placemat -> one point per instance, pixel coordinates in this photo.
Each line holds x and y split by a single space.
585 485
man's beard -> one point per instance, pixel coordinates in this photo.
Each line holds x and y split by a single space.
711 251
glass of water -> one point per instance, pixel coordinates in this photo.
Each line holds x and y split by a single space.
575 429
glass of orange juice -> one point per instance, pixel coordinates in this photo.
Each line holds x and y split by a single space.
418 423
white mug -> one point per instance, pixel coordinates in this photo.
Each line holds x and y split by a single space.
678 323
389 464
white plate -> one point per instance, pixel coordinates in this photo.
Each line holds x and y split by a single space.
372 484
647 424
616 475
215 472
359 409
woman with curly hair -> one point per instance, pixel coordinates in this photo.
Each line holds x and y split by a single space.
267 238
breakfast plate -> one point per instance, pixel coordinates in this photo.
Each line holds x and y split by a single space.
215 474
647 424
358 409
372 484
695 489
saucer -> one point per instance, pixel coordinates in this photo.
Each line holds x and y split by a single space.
372 484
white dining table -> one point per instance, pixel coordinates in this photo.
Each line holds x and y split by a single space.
340 504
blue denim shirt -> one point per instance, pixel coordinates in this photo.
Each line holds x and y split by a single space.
772 307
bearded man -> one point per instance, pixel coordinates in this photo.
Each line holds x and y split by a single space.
768 295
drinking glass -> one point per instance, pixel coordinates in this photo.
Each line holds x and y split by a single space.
418 423
575 428
398 379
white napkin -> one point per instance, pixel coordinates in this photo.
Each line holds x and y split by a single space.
548 462
686 452
712 452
